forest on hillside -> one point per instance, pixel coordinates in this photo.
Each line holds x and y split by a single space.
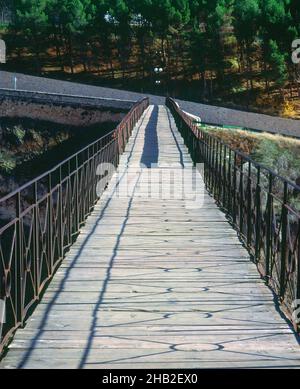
206 50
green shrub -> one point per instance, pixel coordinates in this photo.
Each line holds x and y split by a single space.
7 163
280 157
15 135
35 141
266 152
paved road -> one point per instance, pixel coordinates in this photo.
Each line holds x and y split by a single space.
208 113
157 278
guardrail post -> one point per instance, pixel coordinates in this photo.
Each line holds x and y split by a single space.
19 261
217 172
50 226
297 325
221 182
77 195
214 166
249 206
242 197
234 189
229 192
69 205
224 183
269 226
205 153
210 164
284 226
258 215
36 243
60 217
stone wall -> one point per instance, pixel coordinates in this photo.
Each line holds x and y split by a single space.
63 109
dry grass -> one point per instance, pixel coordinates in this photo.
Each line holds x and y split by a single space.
277 152
243 141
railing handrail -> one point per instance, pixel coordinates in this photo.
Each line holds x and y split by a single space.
246 157
56 167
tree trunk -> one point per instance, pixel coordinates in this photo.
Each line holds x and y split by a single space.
211 85
71 53
59 57
241 58
204 92
141 40
249 66
112 68
37 55
58 40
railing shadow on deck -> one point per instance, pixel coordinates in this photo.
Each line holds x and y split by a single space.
258 203
150 149
175 139
45 217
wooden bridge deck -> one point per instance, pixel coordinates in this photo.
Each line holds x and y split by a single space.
155 282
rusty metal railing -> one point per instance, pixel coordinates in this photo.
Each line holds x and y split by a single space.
260 204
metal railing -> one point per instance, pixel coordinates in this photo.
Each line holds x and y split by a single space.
42 219
261 205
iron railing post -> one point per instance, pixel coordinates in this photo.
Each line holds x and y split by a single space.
229 178
77 210
19 287
284 222
36 242
297 303
50 226
224 181
249 207
69 204
258 216
241 197
60 216
269 215
234 194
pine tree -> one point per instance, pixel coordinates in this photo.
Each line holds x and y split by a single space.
72 17
206 43
30 18
277 64
246 21
277 35
122 16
